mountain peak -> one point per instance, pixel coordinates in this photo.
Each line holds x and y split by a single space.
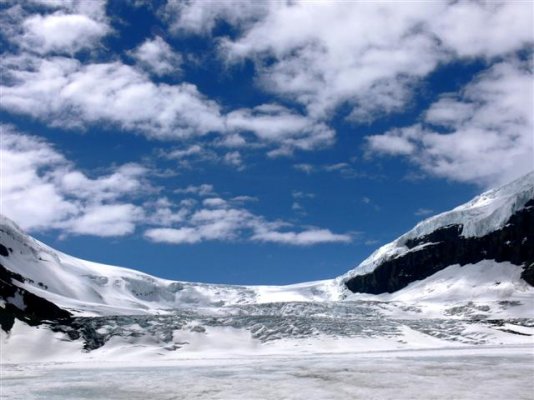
496 225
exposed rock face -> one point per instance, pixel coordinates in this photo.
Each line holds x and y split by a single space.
24 305
3 250
428 254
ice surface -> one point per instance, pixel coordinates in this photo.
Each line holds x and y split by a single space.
468 373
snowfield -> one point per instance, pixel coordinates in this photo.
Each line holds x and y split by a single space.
460 373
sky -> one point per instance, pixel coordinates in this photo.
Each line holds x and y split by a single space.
251 142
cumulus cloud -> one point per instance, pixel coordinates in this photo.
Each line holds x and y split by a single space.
214 202
367 55
223 220
42 190
297 194
423 212
322 59
64 92
314 53
345 169
396 141
304 167
158 57
124 180
165 213
234 159
61 27
244 199
482 135
201 17
105 220
95 9
276 124
61 33
46 81
200 190
305 238
174 236
487 29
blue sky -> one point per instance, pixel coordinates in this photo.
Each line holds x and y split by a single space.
246 142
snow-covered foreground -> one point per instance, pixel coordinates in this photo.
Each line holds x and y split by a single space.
491 372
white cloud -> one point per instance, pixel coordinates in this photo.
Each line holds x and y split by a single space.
304 167
483 135
200 17
61 27
298 196
42 82
423 212
205 224
174 236
215 202
158 57
305 238
489 29
61 33
345 169
367 55
396 141
95 9
41 190
275 124
329 53
220 220
165 213
194 154
244 199
234 158
183 153
362 58
200 190
125 179
66 93
105 220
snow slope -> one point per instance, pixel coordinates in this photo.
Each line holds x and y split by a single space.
88 288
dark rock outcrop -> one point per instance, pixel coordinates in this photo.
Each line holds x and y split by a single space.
514 243
23 305
3 250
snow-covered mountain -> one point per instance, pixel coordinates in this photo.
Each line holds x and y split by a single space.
87 288
498 225
466 276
